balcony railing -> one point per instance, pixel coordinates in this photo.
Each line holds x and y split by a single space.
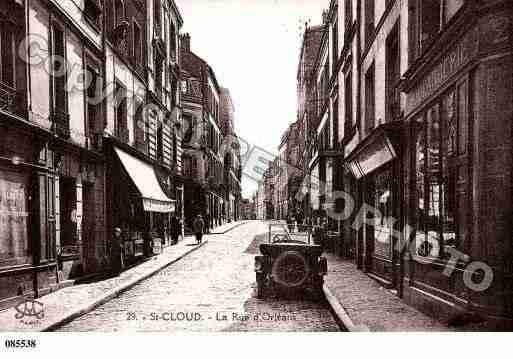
12 101
60 125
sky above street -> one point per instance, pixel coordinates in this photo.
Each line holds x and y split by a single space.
253 47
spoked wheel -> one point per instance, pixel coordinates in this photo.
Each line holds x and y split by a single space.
290 269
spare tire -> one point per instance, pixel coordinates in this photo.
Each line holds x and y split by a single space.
290 269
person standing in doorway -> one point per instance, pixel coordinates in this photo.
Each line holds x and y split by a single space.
116 252
199 226
176 229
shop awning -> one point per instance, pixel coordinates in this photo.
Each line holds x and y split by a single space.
145 179
378 149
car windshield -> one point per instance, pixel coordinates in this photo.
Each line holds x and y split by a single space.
280 232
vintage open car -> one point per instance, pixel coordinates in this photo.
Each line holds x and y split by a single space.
289 262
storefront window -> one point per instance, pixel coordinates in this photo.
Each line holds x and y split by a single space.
383 200
14 244
420 173
68 205
435 149
433 175
448 170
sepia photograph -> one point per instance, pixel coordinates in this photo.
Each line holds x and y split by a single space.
185 167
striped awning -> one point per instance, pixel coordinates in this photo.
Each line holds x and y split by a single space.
145 179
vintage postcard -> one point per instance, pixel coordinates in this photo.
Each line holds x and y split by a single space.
172 166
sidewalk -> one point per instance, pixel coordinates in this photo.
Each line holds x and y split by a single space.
227 227
364 305
69 303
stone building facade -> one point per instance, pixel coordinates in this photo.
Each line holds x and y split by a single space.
230 152
51 173
429 72
211 188
73 111
421 99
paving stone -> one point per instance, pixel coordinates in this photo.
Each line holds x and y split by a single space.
370 305
213 283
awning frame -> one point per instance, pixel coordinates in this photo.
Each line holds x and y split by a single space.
157 201
389 134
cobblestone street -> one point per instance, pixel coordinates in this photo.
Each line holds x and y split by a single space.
210 290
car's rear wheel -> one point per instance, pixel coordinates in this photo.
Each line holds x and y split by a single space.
290 269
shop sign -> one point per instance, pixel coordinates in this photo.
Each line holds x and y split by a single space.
151 205
372 157
456 58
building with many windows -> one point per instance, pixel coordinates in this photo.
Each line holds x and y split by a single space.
230 152
90 118
52 184
306 111
142 117
203 139
422 115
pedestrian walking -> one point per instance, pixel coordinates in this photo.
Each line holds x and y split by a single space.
198 226
176 229
116 252
207 223
299 220
317 231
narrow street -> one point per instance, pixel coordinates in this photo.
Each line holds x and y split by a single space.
210 290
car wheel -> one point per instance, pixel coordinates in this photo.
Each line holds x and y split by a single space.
290 269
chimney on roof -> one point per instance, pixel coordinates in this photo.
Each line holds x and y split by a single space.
186 42
325 17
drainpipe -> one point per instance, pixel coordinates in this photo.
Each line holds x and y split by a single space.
359 110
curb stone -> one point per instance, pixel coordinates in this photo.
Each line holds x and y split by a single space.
341 313
228 230
113 293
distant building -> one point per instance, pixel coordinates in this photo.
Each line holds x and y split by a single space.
230 153
411 116
203 138
247 210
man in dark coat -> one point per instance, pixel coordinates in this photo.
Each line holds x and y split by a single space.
176 229
116 252
198 227
207 223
